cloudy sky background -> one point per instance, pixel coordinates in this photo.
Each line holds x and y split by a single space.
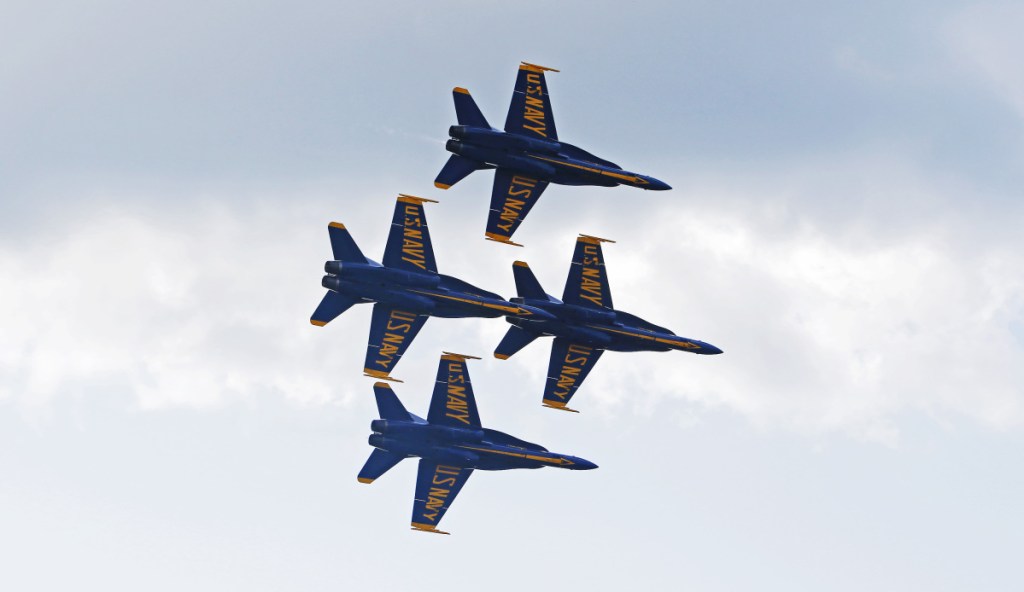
845 223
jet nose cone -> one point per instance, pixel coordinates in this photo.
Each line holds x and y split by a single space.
709 350
580 464
656 185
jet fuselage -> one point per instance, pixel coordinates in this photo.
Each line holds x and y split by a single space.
555 162
421 293
604 329
476 448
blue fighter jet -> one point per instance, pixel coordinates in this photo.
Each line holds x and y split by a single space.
450 443
585 324
406 289
527 155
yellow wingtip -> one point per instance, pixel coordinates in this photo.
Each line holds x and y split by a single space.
337 225
460 90
586 238
381 384
364 480
520 264
454 356
500 239
427 528
317 323
406 198
441 185
500 356
557 405
378 374
535 67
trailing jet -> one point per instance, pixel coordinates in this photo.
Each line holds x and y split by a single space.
527 155
450 443
584 325
406 289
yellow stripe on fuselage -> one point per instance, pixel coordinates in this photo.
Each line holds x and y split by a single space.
630 179
554 461
508 309
680 342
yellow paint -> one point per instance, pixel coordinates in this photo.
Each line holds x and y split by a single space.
441 185
382 385
460 90
427 528
500 356
535 67
405 198
454 356
586 238
557 405
554 461
626 178
521 264
503 308
364 480
378 374
500 239
317 323
337 225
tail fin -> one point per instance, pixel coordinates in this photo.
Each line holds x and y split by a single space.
330 307
388 404
466 110
380 462
515 340
526 283
456 169
344 247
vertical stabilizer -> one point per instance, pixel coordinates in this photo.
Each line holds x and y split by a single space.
466 110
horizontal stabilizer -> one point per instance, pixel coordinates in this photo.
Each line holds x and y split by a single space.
330 307
388 404
515 340
380 462
456 169
527 285
344 247
466 110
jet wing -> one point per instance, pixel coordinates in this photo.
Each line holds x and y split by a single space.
436 488
391 332
530 112
453 403
512 198
570 364
409 245
587 284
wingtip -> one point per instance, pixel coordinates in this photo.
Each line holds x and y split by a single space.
427 528
364 480
451 356
317 323
500 239
460 90
414 199
371 373
337 225
557 405
520 264
381 384
535 67
501 356
586 238
441 185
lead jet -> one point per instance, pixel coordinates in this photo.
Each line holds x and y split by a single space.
450 443
527 155
585 324
406 288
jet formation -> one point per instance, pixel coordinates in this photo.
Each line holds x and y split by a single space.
451 443
406 289
526 156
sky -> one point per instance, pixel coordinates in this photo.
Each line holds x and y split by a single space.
844 224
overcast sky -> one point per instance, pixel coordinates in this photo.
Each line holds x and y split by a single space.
845 223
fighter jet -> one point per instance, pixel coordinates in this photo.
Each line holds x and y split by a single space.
450 443
406 289
585 324
527 155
